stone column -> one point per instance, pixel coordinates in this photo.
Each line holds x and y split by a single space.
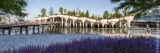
70 23
73 23
45 21
128 24
91 25
98 25
120 24
53 19
80 24
66 24
103 25
83 24
112 25
62 21
76 24
86 24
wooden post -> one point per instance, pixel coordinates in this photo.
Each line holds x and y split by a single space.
3 31
33 29
26 30
21 30
9 31
62 22
50 27
42 28
38 29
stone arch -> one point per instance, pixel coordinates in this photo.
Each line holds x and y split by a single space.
57 19
87 23
78 22
49 20
70 22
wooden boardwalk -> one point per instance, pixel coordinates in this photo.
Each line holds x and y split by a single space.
26 26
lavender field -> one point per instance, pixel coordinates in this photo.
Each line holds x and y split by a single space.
98 45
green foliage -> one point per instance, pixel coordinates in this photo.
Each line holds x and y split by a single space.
139 7
43 12
13 7
117 14
126 12
0 18
51 11
69 13
61 10
82 14
111 15
93 17
74 13
87 13
39 15
65 11
106 15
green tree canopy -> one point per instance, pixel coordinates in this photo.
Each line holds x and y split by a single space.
93 17
65 11
106 15
138 7
117 14
61 10
87 13
43 12
74 13
51 11
69 13
13 7
126 12
82 14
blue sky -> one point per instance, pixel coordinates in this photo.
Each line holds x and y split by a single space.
96 7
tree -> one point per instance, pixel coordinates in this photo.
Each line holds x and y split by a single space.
138 7
82 14
61 10
43 12
74 13
111 15
69 13
13 7
51 11
39 15
87 13
93 17
65 11
126 12
117 14
106 15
